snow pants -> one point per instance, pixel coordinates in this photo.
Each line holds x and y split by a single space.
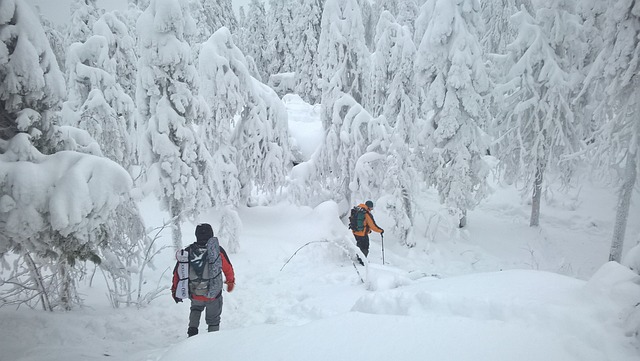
212 314
363 243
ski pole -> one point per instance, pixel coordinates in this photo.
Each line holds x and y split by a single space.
382 238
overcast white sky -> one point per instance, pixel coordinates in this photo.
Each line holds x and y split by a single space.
58 10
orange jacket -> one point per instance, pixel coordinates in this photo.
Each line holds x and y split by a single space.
369 223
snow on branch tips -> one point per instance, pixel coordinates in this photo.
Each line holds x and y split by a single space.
67 193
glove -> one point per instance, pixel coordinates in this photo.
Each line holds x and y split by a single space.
230 285
177 299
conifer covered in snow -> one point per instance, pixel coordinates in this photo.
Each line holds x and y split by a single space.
51 210
394 95
613 84
344 57
122 50
280 27
84 13
350 161
248 126
97 102
408 11
169 106
453 81
499 30
56 40
31 84
306 57
255 43
537 127
54 209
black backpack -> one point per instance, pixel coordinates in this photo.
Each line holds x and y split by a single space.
356 219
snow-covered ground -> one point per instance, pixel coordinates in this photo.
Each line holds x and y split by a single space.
499 290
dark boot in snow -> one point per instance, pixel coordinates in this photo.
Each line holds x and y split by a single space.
213 328
192 331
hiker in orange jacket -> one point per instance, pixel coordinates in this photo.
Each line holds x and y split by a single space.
362 237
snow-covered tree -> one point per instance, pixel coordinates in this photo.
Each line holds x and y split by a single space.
538 127
350 161
211 16
369 21
169 105
407 14
84 14
53 207
453 81
97 103
614 84
67 219
344 58
221 65
122 50
392 69
281 45
394 96
500 31
306 57
254 116
255 43
31 84
56 40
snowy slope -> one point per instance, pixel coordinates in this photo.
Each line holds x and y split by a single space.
505 292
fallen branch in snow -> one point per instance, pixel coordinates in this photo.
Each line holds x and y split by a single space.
332 242
298 250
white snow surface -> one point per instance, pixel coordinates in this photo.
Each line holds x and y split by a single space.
498 290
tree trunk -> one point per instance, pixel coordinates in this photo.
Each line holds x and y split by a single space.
37 279
463 219
66 285
622 209
537 196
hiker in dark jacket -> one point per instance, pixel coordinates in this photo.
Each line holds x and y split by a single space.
362 236
207 261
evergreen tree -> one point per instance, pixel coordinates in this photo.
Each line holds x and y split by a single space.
407 14
56 40
538 127
280 49
84 14
97 103
614 85
31 82
122 50
394 96
309 15
344 58
452 80
169 105
252 114
220 64
255 43
499 29
53 207
351 158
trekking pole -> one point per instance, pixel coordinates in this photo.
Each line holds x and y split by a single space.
382 238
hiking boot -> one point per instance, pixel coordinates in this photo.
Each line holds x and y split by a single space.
213 328
192 331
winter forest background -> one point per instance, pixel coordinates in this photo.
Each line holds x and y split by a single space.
182 100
